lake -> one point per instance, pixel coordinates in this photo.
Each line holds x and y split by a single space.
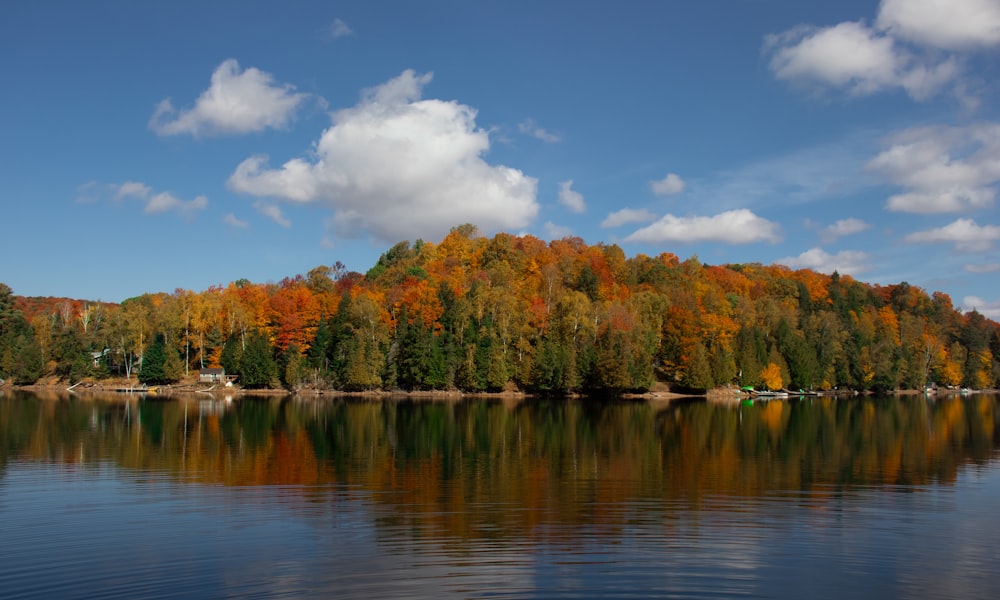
202 497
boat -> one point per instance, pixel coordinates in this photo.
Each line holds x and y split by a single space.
141 389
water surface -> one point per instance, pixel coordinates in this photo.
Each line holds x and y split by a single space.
264 497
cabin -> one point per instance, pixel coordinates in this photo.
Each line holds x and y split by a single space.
212 375
97 357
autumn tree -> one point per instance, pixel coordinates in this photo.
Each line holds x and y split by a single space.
771 377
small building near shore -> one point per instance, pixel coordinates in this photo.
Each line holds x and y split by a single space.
212 375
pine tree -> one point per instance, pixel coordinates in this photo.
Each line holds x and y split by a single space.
153 362
294 367
173 366
317 355
257 369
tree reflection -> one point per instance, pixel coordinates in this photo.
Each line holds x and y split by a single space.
474 468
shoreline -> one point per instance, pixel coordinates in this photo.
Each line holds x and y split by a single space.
660 392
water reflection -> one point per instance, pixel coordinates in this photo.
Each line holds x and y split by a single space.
559 461
218 497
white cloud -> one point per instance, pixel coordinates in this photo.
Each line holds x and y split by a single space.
529 127
235 102
556 232
848 54
954 200
154 203
990 310
942 169
570 198
851 262
167 202
628 215
668 186
339 29
855 57
963 233
947 24
984 268
841 228
132 189
732 227
233 221
272 212
400 167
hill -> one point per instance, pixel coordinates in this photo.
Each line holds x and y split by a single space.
477 313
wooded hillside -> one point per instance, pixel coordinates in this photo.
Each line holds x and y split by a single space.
477 313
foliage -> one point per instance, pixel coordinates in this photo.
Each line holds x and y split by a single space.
483 314
20 353
160 363
257 368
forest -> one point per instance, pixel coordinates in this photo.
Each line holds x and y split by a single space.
487 314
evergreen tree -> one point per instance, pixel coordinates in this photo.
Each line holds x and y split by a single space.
21 360
341 342
20 353
319 348
293 367
153 362
173 366
70 354
232 354
257 369
699 373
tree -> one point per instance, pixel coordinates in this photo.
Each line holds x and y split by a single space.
231 357
317 356
257 369
153 372
21 359
771 377
20 353
294 369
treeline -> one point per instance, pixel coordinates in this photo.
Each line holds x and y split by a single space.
486 314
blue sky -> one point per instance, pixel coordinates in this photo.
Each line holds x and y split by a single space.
147 147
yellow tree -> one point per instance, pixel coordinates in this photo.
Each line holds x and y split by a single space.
771 376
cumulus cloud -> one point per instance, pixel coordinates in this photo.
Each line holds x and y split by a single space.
339 29
841 228
167 202
556 232
845 54
732 227
947 24
398 166
851 262
272 212
855 57
529 127
153 202
668 186
990 310
234 221
627 215
965 234
985 268
235 102
570 198
132 189
942 169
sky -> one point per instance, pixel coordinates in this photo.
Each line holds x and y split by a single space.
146 147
